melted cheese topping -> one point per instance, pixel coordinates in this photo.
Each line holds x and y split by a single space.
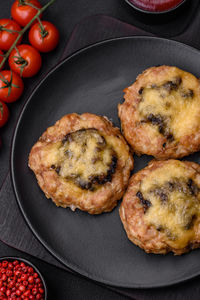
86 155
83 157
175 202
179 107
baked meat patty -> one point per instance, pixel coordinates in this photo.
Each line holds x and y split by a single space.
161 113
160 210
82 162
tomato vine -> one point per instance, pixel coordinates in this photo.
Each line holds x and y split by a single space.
39 11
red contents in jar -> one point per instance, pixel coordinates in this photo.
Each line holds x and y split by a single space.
19 281
156 5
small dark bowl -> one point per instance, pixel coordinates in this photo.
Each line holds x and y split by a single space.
155 12
27 262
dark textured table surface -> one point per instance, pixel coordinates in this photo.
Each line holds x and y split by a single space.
66 14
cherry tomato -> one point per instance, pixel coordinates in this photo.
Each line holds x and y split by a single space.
1 58
11 86
25 60
4 114
7 38
44 38
22 13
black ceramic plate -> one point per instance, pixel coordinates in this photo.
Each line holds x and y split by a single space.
93 80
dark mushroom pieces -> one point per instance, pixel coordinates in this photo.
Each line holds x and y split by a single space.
172 85
163 128
87 160
145 203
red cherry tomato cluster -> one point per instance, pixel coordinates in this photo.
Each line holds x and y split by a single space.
19 281
24 60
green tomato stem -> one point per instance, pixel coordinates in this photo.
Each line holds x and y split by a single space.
1 111
30 4
43 32
6 55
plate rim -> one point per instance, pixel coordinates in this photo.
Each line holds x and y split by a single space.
71 266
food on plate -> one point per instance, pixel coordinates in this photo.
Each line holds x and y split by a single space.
44 36
24 11
9 31
25 60
82 162
161 113
4 114
160 210
11 86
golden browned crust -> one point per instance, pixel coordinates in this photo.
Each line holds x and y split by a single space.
67 194
145 138
139 230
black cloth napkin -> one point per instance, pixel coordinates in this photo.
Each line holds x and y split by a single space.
13 229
